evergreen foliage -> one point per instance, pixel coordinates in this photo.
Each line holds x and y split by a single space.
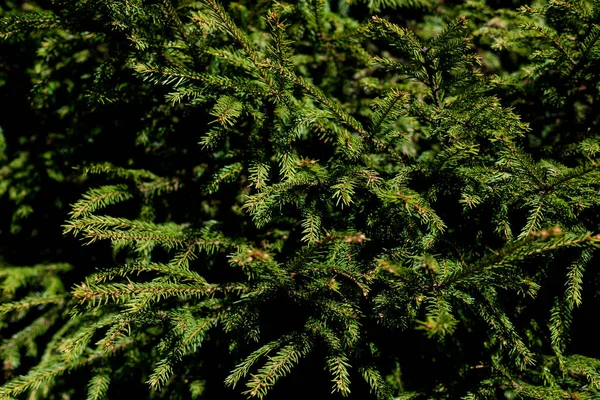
362 199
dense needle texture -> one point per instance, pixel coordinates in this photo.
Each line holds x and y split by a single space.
393 199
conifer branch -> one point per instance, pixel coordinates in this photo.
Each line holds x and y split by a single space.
98 386
505 331
376 383
554 40
277 367
27 22
96 199
242 369
176 270
325 100
43 374
338 366
534 218
30 302
231 28
97 295
405 156
11 347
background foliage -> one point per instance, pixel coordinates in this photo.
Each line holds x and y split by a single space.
363 199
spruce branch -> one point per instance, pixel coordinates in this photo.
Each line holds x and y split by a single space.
10 349
259 175
28 22
98 385
376 382
191 333
554 40
242 369
504 330
97 295
180 77
401 175
30 302
229 26
277 367
43 375
227 174
562 311
99 198
312 226
172 270
534 219
338 366
318 95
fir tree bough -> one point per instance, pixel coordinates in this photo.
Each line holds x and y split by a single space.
361 199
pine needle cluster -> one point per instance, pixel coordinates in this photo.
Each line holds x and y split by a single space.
308 198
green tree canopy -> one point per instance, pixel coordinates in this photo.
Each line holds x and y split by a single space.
367 199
